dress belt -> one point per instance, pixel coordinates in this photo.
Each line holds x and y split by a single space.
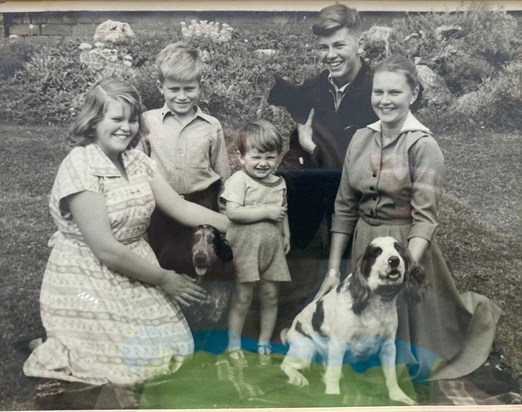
376 221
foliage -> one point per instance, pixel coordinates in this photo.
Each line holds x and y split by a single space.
48 88
497 102
476 51
464 47
14 53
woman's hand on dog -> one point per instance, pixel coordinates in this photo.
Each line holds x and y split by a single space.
328 284
183 288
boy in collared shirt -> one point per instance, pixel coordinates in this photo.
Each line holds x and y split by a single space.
187 144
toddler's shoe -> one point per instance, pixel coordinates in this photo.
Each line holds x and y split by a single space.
237 358
265 358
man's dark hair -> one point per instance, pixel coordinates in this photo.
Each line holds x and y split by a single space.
335 17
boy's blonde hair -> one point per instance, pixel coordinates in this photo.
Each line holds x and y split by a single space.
261 135
179 61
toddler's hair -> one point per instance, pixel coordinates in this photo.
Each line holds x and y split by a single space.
179 61
93 110
261 135
335 17
401 64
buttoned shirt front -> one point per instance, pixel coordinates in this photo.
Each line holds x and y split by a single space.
191 156
399 183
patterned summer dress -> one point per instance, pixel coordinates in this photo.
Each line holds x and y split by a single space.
102 326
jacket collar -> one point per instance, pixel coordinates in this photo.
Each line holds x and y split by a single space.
359 82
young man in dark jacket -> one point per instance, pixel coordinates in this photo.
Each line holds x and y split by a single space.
328 109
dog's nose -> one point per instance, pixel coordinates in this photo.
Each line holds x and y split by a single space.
394 261
200 258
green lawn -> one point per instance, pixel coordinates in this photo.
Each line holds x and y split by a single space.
480 234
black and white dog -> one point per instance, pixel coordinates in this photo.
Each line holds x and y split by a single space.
358 317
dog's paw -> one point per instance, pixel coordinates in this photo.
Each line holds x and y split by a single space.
295 378
400 396
298 380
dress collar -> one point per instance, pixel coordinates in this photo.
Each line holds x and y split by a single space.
411 124
101 165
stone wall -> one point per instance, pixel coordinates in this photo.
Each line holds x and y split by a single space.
82 24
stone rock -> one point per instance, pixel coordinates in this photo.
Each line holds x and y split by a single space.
377 43
445 32
265 52
435 91
113 31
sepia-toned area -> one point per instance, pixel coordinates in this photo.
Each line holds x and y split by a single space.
470 66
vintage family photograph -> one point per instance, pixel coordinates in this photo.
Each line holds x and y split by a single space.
220 205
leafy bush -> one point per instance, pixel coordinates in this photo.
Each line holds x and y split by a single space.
48 88
476 55
235 85
465 48
497 102
14 53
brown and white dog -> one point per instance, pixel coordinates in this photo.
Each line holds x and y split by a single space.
358 317
204 254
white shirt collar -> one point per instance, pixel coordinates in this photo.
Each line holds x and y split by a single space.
411 124
197 113
341 89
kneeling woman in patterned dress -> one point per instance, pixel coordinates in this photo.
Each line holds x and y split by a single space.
111 312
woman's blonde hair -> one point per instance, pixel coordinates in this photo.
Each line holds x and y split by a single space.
400 64
95 105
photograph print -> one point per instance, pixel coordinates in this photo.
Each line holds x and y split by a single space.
215 205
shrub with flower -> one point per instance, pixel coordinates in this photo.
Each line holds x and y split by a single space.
219 33
107 62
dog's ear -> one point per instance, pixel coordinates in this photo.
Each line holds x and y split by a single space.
358 287
222 247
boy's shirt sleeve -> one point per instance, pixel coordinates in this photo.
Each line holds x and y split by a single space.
219 156
235 189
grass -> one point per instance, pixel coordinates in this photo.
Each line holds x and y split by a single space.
480 234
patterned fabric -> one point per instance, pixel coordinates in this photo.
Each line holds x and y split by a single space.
102 326
191 157
258 247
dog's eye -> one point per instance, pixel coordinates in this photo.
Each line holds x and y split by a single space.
398 247
377 251
197 237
